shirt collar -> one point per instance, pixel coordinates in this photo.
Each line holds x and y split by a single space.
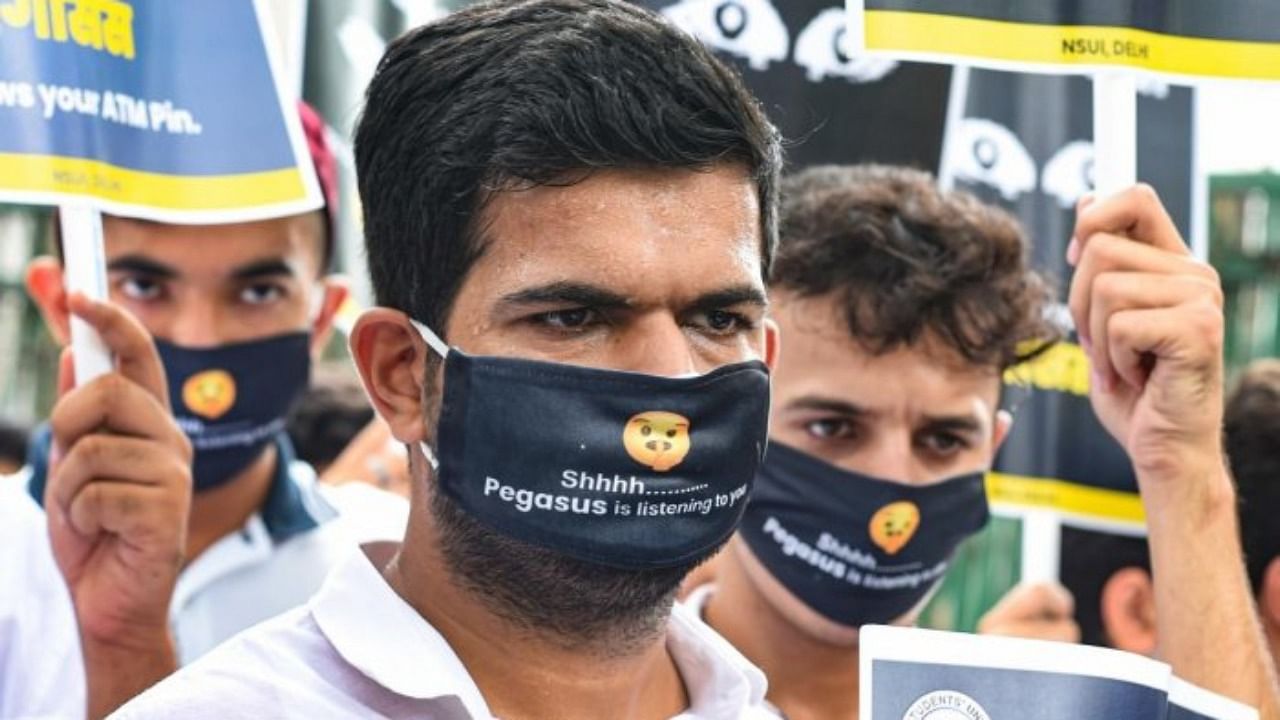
356 606
721 682
292 506
384 638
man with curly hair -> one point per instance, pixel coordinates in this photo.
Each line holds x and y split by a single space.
900 308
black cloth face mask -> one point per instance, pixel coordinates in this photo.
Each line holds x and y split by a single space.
232 400
615 468
853 548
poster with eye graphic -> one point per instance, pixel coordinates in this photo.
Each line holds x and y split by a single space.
830 107
1024 142
1021 141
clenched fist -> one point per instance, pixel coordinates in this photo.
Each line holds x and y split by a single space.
118 499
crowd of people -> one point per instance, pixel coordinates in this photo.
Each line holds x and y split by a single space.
635 408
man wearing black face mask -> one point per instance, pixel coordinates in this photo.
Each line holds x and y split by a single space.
569 215
901 307
174 515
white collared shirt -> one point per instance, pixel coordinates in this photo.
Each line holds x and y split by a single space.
696 604
240 580
358 650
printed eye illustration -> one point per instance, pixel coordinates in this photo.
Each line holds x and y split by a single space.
750 29
1069 173
988 153
820 50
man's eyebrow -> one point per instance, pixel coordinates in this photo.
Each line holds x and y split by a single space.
142 266
826 404
263 268
728 297
957 423
566 293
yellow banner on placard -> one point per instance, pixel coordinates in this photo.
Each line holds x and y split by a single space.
960 39
1099 505
53 174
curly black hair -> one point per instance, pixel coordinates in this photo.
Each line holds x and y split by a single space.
909 262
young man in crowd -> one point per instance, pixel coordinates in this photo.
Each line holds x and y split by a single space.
900 307
162 511
1118 598
578 199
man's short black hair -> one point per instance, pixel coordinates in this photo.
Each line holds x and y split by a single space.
513 94
1252 425
14 440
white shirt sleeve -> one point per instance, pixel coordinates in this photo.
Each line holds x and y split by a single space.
41 669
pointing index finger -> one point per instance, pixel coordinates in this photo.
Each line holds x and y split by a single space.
130 343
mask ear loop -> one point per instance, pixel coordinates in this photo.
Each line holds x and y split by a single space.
430 455
431 339
440 348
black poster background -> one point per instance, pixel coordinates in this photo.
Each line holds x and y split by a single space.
788 55
1056 434
899 118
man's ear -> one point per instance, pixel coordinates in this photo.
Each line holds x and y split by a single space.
392 359
45 286
1269 595
1129 611
334 291
772 343
1000 432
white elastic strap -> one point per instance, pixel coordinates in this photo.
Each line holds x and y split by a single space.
435 343
430 454
431 338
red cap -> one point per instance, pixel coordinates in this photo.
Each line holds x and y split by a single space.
326 170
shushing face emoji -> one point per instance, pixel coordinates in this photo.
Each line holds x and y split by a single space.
209 394
656 439
893 526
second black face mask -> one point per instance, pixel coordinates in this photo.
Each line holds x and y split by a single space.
615 468
232 400
856 549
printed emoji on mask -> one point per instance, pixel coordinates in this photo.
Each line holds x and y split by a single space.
656 439
893 526
209 394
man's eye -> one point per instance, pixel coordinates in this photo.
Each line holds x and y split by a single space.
574 319
261 294
140 288
829 429
944 443
725 322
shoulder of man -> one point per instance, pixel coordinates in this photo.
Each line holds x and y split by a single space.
269 670
299 505
366 513
39 642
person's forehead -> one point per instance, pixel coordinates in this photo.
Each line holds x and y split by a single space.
637 231
296 240
927 379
